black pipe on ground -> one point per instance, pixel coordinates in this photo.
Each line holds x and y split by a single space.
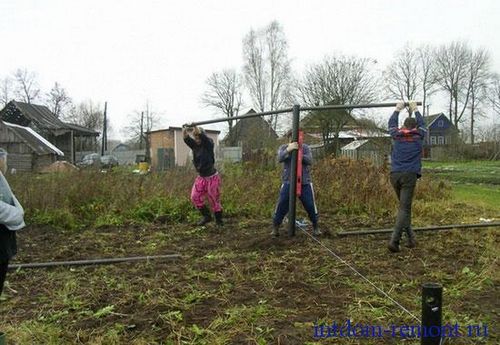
429 228
93 261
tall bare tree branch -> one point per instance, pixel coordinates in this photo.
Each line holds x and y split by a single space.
27 89
224 93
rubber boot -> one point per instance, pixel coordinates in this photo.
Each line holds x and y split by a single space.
276 231
393 245
205 212
218 219
3 339
412 242
316 230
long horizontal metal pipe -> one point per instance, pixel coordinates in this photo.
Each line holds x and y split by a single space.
93 261
289 110
352 106
428 228
246 116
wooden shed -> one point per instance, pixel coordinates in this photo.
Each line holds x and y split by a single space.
367 150
66 136
167 148
27 150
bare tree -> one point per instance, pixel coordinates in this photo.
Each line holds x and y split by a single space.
427 74
478 86
267 68
224 93
87 114
494 93
452 68
336 80
402 77
141 122
6 91
57 100
27 89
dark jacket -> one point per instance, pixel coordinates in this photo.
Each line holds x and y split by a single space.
285 158
407 145
203 154
8 244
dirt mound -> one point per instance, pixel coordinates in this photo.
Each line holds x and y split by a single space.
59 166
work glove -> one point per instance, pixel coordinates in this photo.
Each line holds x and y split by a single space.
400 106
412 105
292 146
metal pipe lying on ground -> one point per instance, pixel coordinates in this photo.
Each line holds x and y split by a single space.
428 228
94 261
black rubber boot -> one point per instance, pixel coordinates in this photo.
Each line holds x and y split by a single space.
276 231
393 245
205 212
316 230
218 219
412 242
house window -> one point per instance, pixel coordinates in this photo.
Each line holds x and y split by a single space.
440 140
440 123
433 140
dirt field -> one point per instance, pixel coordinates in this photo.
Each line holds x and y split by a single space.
240 286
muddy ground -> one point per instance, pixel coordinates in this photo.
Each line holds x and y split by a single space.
237 285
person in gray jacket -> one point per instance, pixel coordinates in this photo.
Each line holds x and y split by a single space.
11 220
307 195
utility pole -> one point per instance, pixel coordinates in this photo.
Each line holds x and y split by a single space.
142 130
104 145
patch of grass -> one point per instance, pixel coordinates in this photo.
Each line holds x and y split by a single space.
486 196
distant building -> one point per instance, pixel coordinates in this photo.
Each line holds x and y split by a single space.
441 133
27 150
168 149
251 134
440 130
367 149
66 137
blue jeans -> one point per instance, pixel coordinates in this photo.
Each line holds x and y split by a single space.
307 199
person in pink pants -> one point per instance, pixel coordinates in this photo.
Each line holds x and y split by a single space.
207 183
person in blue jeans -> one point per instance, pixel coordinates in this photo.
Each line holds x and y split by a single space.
307 195
406 168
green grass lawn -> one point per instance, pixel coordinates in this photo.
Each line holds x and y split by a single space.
473 182
479 172
479 194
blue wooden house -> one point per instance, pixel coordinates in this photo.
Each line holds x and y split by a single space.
440 132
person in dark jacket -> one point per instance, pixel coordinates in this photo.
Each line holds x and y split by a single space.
406 168
208 181
11 220
307 195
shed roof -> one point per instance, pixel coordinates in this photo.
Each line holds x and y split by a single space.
355 144
39 114
34 140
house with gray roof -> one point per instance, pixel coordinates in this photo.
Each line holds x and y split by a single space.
68 138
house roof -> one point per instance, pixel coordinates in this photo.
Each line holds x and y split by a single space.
246 127
39 114
41 117
34 140
355 144
81 130
429 120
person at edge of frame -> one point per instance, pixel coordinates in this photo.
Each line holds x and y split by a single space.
406 168
11 220
207 183
307 195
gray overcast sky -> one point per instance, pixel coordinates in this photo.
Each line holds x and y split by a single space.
127 52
